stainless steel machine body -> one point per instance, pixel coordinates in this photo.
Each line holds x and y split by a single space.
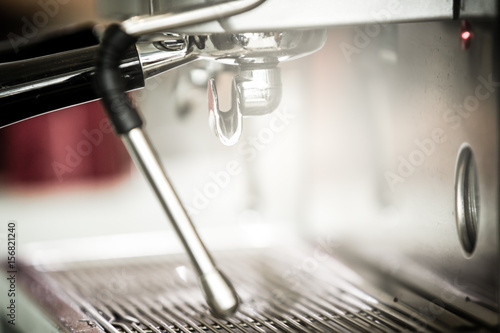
395 166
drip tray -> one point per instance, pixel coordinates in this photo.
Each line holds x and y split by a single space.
280 291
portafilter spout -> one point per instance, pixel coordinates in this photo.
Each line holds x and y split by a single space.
257 88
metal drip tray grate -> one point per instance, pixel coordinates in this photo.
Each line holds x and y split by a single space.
279 293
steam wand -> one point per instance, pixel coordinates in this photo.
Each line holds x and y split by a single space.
218 291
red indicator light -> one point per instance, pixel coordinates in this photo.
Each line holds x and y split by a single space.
466 34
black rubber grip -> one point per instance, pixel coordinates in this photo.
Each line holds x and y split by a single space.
109 83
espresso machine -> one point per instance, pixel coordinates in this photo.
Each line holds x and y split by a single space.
347 180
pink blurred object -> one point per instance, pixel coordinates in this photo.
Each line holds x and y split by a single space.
77 143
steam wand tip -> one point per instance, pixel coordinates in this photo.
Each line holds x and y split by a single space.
219 293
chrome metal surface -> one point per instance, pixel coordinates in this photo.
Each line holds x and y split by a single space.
255 92
156 58
261 48
281 15
63 79
138 26
13 86
218 291
259 89
279 293
227 126
9 90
